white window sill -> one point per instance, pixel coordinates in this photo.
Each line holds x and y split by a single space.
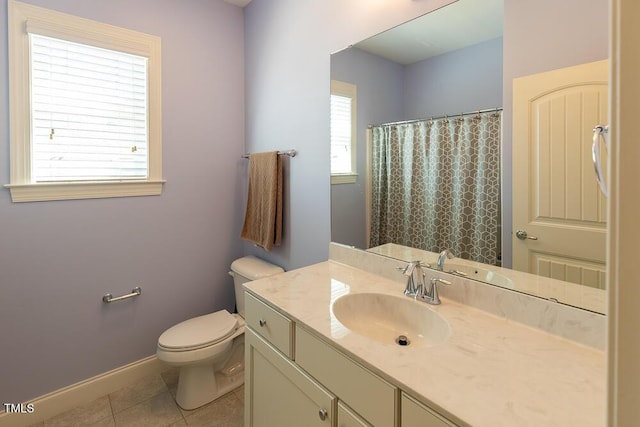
83 190
347 178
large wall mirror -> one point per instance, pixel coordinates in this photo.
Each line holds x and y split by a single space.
472 123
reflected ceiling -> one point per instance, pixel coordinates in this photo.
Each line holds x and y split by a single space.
460 24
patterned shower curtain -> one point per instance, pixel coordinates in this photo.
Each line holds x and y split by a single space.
436 185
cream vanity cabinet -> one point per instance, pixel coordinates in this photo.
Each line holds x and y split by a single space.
293 378
277 392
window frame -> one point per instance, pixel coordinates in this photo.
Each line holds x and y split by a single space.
85 31
348 90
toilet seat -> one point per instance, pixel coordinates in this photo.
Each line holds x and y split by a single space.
199 332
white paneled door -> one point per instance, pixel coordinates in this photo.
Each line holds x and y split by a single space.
559 212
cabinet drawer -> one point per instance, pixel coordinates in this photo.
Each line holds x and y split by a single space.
273 326
415 414
369 395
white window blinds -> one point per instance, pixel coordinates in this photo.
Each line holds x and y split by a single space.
89 112
341 132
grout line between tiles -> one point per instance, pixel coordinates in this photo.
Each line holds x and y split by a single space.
113 413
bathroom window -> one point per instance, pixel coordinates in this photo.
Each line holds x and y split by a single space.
343 133
85 108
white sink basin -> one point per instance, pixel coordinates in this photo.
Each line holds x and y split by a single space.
479 273
384 318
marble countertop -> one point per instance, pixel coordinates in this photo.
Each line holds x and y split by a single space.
491 371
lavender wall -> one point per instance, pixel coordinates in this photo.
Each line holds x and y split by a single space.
466 79
57 259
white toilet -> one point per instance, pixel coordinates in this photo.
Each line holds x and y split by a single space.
209 349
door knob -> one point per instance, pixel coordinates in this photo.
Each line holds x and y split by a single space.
522 235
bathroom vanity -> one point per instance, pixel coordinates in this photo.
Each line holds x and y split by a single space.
305 367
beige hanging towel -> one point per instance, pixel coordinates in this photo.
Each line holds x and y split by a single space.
263 218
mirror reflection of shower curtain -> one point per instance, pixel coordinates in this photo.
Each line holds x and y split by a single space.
435 184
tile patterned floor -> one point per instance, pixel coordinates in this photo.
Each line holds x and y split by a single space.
151 403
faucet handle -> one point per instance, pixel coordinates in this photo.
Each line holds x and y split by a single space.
408 269
411 289
412 265
435 299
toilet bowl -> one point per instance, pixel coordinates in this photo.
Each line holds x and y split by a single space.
209 349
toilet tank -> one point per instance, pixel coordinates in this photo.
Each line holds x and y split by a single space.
247 269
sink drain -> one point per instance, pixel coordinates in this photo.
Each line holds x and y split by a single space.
402 340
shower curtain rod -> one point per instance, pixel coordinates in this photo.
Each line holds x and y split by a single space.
402 122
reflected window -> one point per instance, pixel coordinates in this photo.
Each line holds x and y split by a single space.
343 132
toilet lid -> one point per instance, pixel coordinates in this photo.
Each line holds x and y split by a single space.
200 331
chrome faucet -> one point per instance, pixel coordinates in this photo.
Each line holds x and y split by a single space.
419 289
442 257
412 288
430 294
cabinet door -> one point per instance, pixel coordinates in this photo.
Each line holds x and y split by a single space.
277 393
372 397
348 418
415 414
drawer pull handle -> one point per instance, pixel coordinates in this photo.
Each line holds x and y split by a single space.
262 322
322 413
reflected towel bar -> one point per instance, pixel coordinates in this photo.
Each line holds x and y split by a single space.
290 153
134 293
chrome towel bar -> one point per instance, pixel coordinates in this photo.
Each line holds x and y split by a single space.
290 153
107 298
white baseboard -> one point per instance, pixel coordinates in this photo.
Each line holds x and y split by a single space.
67 398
